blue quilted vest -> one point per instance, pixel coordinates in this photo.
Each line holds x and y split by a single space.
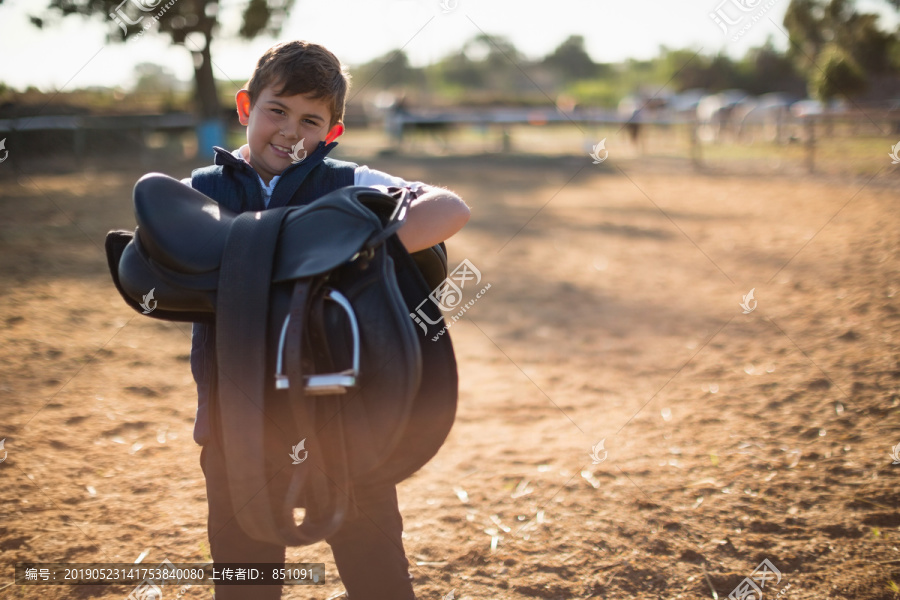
233 183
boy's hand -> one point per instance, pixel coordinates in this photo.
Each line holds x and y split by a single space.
433 217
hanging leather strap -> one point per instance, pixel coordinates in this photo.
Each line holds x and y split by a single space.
241 315
322 482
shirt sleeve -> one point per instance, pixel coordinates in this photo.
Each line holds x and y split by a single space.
370 177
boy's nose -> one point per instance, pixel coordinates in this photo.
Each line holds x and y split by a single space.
290 133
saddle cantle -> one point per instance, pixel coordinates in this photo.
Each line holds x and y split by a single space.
311 307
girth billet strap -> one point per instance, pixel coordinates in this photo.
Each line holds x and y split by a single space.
263 492
241 316
321 483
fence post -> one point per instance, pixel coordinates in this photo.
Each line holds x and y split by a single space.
79 143
696 153
505 140
810 144
143 133
11 156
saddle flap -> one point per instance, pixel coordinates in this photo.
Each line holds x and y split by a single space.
323 235
182 229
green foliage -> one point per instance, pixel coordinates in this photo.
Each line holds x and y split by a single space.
256 18
571 60
460 71
603 93
772 71
490 69
618 81
835 49
806 26
833 37
838 75
391 71
869 46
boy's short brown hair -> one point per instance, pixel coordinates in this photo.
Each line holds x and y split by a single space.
300 67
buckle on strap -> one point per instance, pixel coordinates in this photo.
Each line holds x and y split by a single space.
325 383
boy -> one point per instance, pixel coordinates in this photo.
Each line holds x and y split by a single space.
293 108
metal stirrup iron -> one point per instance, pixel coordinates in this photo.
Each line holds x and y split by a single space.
326 383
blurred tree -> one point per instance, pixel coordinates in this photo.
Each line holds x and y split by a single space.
191 23
688 70
685 68
839 75
804 20
503 66
157 89
768 70
460 70
484 63
153 78
724 74
867 43
391 70
854 40
813 24
572 60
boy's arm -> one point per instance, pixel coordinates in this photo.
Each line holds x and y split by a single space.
433 217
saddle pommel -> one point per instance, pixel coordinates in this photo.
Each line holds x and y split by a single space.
179 227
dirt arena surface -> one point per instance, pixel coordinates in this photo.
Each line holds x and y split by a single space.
613 314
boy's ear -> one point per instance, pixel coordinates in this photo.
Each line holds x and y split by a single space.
242 100
334 133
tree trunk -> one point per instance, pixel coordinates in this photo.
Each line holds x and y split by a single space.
207 96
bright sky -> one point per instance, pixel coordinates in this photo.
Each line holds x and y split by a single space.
76 54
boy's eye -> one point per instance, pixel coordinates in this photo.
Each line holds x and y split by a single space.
278 111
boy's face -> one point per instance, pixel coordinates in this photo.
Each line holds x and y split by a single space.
276 123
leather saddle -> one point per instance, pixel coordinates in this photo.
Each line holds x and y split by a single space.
323 383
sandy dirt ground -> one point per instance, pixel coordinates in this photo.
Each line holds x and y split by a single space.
613 314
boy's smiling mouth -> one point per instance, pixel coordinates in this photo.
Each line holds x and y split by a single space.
281 150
